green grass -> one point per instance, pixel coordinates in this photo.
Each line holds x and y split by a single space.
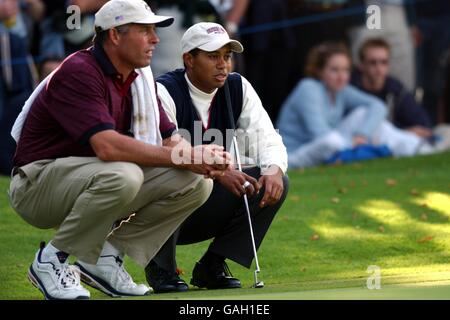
336 221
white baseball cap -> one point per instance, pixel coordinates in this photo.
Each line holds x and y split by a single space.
208 36
115 13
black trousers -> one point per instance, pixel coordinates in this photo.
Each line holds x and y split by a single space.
223 218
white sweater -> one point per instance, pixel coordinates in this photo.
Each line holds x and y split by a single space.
265 147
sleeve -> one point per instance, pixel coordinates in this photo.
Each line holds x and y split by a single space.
307 103
409 113
256 135
78 103
355 98
167 103
166 126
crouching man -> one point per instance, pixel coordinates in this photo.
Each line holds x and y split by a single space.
96 146
194 99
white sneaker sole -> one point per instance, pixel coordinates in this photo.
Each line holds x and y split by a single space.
101 285
37 283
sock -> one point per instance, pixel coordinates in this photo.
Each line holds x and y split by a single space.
50 251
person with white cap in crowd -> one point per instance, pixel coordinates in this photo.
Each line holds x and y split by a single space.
194 99
88 157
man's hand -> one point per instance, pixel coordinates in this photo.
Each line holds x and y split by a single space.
273 184
210 160
421 131
234 180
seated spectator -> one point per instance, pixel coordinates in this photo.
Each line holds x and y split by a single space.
325 115
404 112
373 77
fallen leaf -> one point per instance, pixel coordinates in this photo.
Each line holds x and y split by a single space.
179 271
315 237
357 165
424 205
425 239
284 218
302 269
381 228
335 200
354 216
343 190
294 198
391 182
414 192
424 217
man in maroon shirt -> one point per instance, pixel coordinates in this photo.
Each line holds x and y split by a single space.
79 169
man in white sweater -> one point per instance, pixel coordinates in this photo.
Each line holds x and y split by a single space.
194 99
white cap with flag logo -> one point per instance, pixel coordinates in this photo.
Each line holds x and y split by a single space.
115 13
208 36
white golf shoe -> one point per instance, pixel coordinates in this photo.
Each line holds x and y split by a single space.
57 280
110 277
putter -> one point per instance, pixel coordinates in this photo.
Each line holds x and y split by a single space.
257 284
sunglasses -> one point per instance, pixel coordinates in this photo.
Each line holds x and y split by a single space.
374 62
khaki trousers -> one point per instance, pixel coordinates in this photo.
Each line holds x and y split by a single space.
83 197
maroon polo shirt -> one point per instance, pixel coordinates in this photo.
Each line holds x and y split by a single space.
85 96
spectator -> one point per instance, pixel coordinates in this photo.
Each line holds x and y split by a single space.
57 40
325 115
17 77
269 53
431 27
18 17
373 77
395 18
323 20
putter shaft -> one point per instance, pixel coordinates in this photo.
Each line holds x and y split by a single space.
247 208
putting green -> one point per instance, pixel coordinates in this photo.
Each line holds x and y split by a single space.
421 291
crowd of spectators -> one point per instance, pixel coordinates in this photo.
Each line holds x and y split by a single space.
405 63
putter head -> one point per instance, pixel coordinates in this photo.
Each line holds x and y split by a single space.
257 284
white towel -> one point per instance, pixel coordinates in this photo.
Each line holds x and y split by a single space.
145 119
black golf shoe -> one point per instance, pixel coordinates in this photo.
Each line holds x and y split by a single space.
163 281
214 275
